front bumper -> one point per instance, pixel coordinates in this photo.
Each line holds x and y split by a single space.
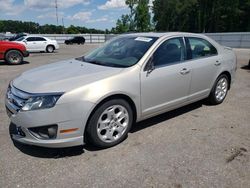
26 53
29 139
72 115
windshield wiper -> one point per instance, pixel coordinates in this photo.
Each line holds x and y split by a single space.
80 58
95 62
100 63
89 61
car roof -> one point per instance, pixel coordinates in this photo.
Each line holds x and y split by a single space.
163 34
34 36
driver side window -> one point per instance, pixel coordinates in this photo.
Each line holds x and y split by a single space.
169 52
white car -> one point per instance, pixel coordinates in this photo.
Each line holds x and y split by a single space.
38 43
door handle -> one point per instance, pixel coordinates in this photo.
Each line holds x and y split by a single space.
217 63
184 71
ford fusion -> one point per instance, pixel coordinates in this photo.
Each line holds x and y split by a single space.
97 97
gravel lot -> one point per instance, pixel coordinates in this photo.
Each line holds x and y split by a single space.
195 146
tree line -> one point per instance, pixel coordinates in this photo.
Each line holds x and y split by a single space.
186 15
34 28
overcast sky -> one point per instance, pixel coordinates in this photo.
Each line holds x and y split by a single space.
99 14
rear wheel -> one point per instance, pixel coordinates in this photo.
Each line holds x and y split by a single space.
50 49
110 123
14 57
220 89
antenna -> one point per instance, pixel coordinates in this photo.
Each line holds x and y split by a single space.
56 6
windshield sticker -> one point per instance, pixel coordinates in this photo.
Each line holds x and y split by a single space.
143 39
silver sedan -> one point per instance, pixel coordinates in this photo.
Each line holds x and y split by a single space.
97 97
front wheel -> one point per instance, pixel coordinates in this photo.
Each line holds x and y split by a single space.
219 91
14 57
110 123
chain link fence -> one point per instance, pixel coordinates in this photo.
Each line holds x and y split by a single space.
234 40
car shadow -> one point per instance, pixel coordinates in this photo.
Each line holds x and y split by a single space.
4 63
166 116
245 67
56 153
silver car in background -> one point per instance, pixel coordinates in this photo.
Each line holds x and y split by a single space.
97 97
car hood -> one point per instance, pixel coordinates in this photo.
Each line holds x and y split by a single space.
62 76
11 43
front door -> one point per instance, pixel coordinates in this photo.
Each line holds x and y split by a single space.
167 85
31 44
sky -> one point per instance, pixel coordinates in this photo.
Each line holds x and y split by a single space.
99 14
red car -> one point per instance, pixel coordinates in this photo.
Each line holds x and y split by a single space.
12 52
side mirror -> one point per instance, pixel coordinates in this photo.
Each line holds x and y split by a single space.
150 66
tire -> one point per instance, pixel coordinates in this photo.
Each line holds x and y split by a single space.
110 123
50 49
14 57
219 90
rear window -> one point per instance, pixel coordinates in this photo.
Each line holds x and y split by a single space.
198 47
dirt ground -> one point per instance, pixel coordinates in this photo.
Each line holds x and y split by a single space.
194 146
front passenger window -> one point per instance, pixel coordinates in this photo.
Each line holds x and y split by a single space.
169 52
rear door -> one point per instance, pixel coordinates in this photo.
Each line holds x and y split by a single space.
204 63
41 43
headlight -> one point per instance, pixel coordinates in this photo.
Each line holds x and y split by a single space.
40 102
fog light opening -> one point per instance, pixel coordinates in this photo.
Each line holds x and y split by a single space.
44 132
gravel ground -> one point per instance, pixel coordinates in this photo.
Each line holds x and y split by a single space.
194 146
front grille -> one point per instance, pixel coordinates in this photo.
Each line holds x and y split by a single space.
16 98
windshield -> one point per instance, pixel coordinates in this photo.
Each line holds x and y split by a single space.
121 52
20 39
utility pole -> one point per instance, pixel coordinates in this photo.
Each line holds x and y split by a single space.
63 24
56 12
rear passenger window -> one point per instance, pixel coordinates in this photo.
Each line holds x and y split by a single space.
29 39
169 52
40 39
198 47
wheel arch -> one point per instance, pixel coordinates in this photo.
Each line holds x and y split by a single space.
114 96
227 73
51 45
12 49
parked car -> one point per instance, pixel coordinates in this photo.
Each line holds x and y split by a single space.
17 36
35 43
97 97
12 52
75 40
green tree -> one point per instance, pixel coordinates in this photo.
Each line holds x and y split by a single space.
142 16
122 25
202 15
131 4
